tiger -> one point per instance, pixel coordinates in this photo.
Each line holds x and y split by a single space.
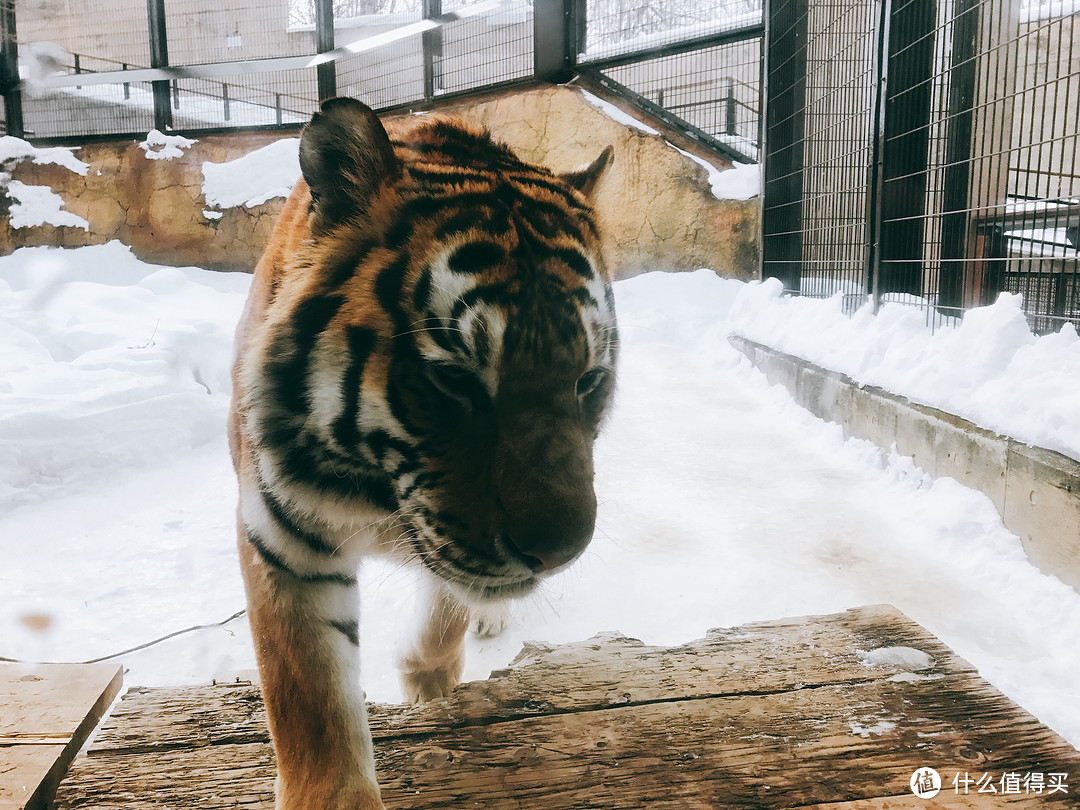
425 358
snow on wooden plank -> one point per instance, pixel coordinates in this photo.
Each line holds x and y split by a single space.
46 714
835 711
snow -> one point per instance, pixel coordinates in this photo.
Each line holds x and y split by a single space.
159 146
988 368
721 501
876 729
39 205
86 392
907 659
741 182
12 148
254 178
616 114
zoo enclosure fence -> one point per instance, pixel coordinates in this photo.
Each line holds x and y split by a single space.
925 151
914 150
122 67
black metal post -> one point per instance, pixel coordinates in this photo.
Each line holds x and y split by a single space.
324 41
904 145
9 70
554 51
784 141
957 232
579 19
433 51
277 108
883 10
729 123
127 85
159 58
225 100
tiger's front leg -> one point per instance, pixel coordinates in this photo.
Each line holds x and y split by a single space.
432 664
305 627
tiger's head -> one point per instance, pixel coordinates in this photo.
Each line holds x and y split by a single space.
452 319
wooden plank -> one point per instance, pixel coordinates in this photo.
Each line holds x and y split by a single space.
46 714
609 670
759 716
820 744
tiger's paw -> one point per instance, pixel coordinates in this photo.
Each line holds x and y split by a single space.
314 794
425 678
429 684
490 620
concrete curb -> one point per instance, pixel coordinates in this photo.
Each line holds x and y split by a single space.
1036 491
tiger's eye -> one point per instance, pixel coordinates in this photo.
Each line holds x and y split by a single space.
590 380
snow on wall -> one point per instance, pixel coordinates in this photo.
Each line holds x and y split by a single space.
741 182
12 148
989 368
159 146
254 178
38 205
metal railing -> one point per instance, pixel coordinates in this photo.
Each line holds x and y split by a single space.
924 151
193 68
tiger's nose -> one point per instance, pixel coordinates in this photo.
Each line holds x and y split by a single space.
544 550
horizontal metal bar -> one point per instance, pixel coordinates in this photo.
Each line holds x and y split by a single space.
1059 215
215 69
675 48
717 100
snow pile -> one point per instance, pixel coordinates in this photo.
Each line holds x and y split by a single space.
989 369
159 146
720 500
109 364
17 149
39 205
254 178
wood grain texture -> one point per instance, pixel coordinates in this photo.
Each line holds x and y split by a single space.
777 714
46 714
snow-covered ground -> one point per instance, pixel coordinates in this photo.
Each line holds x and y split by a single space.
721 501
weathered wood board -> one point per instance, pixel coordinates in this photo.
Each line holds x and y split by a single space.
772 715
46 714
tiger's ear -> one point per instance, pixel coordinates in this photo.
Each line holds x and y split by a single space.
344 155
586 178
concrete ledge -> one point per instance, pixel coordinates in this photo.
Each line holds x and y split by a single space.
1036 491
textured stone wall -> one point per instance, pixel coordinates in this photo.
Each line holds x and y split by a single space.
654 202
155 206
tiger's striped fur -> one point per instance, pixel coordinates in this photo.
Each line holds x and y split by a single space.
426 355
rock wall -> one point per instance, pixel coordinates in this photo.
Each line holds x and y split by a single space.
654 202
155 206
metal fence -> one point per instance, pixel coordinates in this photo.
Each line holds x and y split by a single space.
122 67
924 151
